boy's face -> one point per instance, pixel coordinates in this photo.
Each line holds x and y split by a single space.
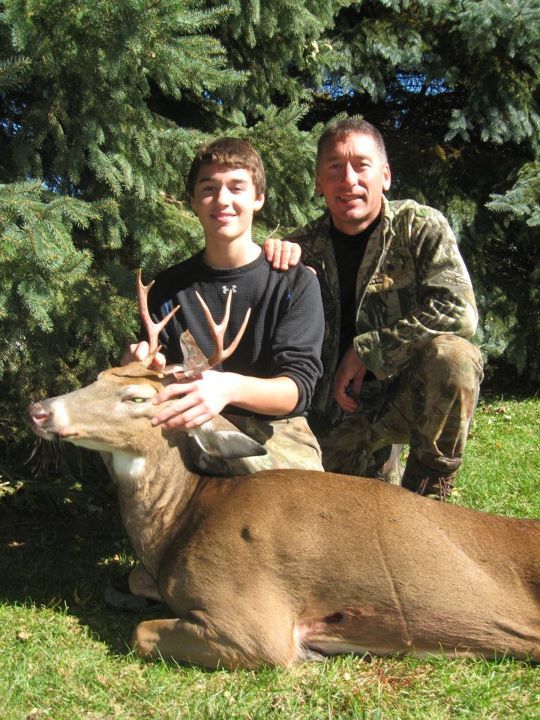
225 200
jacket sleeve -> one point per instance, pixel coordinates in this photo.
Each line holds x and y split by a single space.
439 300
298 337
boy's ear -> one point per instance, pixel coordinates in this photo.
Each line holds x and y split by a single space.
259 202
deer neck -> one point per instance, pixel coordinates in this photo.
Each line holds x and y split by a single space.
154 491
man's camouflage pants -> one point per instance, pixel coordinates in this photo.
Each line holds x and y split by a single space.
430 406
289 444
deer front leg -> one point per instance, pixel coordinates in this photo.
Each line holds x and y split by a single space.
190 642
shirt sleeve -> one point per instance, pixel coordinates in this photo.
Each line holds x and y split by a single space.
297 341
444 300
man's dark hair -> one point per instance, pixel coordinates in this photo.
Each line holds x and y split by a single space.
230 152
349 126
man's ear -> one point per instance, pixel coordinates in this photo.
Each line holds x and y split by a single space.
259 202
387 177
318 185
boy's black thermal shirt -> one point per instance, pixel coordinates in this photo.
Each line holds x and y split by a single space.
284 333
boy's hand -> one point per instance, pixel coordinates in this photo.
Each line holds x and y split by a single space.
193 403
139 352
282 254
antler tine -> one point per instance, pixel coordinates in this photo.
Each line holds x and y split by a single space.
152 329
218 330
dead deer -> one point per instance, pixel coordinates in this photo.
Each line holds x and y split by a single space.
285 565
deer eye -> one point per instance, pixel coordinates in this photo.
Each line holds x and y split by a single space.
138 393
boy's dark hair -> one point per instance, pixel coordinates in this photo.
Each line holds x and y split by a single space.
230 152
350 125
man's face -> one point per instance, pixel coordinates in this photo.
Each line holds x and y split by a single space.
352 175
225 200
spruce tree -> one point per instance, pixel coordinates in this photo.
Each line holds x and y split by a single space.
86 170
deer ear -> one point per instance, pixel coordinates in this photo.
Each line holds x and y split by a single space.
223 440
134 369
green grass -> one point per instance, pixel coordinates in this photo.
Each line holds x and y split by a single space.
64 654
501 469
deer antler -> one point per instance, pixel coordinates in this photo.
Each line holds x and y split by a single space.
196 361
218 331
152 329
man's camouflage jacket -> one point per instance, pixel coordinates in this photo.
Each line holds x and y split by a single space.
412 284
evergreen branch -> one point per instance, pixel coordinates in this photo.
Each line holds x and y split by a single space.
14 72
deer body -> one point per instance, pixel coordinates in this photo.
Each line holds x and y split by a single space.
337 564
285 565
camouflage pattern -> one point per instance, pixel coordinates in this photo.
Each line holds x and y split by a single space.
289 443
412 284
413 293
429 405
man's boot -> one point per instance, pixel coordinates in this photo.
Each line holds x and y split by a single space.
429 483
439 488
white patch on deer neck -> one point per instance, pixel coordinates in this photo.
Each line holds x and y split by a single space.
128 466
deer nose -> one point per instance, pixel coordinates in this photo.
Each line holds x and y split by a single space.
37 413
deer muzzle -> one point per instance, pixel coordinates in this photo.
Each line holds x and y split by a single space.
49 421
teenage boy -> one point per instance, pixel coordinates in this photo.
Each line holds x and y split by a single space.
265 387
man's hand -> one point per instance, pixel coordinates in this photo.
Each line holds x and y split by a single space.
193 403
139 352
349 377
282 254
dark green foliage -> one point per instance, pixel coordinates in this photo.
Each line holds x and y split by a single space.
102 104
86 173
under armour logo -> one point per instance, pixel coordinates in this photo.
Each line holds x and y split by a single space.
226 288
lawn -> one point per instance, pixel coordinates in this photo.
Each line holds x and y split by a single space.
64 654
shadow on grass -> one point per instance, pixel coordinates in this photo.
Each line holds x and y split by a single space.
61 560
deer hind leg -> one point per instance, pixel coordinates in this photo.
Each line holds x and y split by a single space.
194 643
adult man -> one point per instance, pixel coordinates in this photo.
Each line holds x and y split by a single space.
399 306
266 386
